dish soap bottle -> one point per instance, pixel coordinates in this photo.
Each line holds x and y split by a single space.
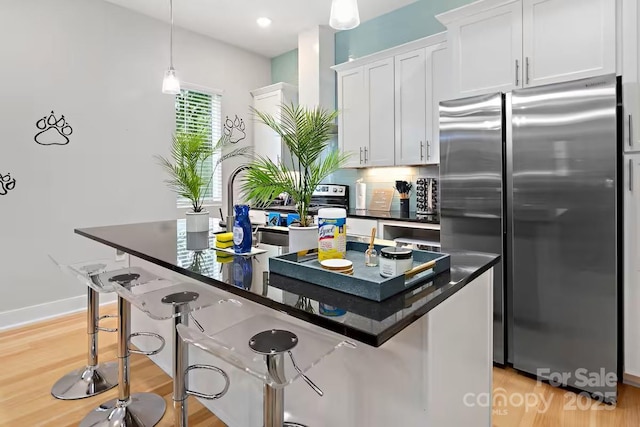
242 230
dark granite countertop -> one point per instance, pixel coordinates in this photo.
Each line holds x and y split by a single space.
164 243
394 216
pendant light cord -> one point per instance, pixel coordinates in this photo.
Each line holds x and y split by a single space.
171 37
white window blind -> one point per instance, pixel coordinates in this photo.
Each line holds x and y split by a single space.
198 111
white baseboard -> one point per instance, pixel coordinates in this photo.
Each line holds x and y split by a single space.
631 380
37 313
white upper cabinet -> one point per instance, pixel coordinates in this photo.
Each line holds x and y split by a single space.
266 142
500 45
379 85
439 88
630 52
410 107
486 50
353 118
568 39
388 104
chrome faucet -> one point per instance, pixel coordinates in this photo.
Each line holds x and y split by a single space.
230 214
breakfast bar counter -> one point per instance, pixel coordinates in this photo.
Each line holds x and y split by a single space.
422 357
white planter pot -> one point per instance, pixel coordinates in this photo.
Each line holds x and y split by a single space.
301 238
197 222
197 241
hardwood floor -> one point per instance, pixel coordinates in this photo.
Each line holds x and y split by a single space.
528 403
34 357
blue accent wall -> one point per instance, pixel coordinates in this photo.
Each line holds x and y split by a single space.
284 68
403 25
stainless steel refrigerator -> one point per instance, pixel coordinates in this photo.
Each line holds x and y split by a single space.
532 175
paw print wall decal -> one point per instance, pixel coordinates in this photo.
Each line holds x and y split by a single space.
53 131
234 129
6 184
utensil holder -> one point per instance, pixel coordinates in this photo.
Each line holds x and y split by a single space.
404 207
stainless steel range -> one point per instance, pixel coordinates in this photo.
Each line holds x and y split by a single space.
325 196
330 196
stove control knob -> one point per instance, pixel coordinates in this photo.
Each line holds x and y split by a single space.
335 190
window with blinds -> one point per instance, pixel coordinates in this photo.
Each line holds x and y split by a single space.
200 111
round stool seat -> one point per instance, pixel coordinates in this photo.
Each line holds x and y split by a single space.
183 297
274 341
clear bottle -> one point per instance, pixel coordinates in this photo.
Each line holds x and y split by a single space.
242 230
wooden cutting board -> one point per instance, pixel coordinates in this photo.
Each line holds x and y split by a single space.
381 200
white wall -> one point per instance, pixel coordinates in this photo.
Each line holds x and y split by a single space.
101 66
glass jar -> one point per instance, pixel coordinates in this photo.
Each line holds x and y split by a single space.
395 261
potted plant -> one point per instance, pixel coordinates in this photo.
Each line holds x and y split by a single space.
185 166
306 134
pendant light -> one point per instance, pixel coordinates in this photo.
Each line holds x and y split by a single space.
344 14
171 84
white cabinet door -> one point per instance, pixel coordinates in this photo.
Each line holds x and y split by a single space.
632 265
631 116
439 89
410 107
352 120
631 74
486 51
266 142
379 84
568 39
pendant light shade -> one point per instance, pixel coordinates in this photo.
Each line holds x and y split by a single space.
171 84
344 14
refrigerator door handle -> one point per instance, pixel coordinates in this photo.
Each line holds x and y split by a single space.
631 175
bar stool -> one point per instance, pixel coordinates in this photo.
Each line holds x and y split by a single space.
128 410
94 378
271 338
165 300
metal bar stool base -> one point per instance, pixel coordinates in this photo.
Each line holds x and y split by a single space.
86 382
286 424
141 410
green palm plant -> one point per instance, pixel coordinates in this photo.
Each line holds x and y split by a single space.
306 133
185 166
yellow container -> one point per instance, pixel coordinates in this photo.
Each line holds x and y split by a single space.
332 233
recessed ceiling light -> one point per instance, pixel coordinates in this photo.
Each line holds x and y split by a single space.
263 22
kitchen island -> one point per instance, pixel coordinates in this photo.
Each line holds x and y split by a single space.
423 357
